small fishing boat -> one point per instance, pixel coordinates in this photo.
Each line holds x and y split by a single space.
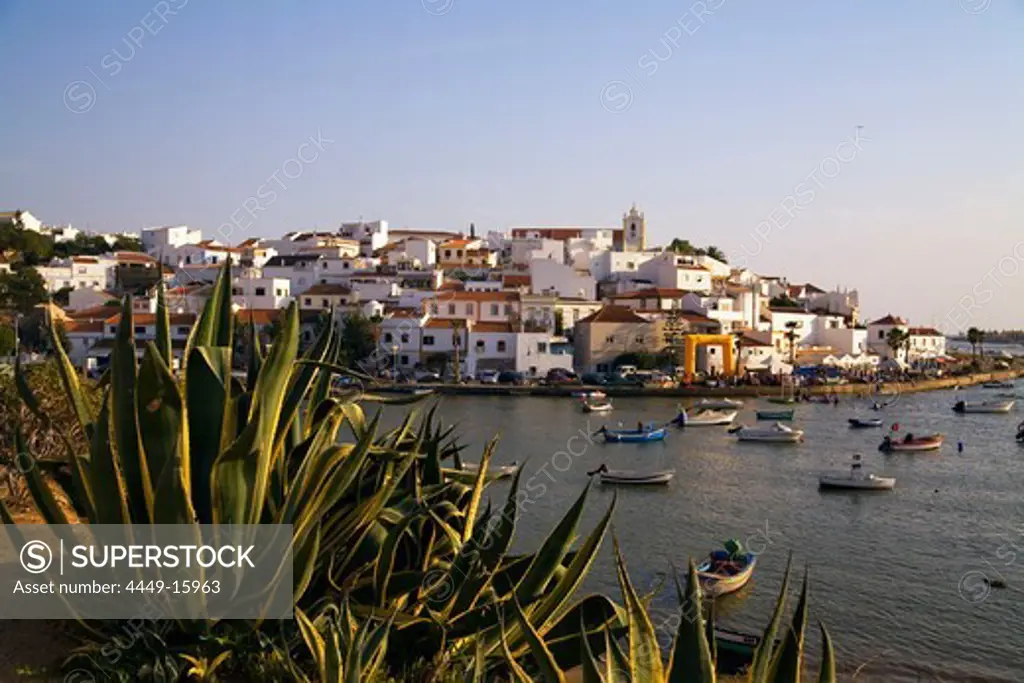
704 418
596 405
726 571
784 400
821 400
998 385
983 406
633 477
862 422
717 404
910 443
500 471
777 433
735 650
786 415
1006 394
857 480
642 435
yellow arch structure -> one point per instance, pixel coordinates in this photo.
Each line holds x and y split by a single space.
692 341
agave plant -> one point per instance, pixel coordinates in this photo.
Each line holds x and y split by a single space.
397 559
693 655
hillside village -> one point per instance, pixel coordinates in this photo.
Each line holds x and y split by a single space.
528 300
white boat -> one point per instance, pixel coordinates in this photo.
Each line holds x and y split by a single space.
777 433
857 479
983 406
634 477
500 471
590 395
998 385
861 422
596 406
717 404
704 418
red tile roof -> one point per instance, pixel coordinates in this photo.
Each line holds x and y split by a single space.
613 314
889 319
327 288
925 332
100 313
653 293
84 259
133 257
259 316
492 328
84 326
150 319
515 281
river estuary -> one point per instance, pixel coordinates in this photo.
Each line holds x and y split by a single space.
897 577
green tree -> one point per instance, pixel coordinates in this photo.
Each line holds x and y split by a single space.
897 340
31 247
974 338
783 301
716 253
681 246
358 339
791 328
21 290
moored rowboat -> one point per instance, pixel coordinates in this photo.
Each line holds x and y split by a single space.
596 406
704 418
983 407
777 433
726 571
931 442
633 435
861 422
635 478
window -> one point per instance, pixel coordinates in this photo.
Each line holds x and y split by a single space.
501 345
405 360
183 330
881 334
261 291
640 339
447 253
325 265
428 340
480 345
433 309
542 347
140 329
309 301
113 329
81 270
508 309
451 309
405 339
494 309
469 309
345 265
213 259
279 292
610 339
326 303
388 336
95 283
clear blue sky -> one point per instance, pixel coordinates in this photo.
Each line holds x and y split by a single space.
446 112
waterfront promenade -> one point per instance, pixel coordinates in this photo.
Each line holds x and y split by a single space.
765 391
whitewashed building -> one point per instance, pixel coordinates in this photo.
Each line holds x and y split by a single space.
559 279
166 238
261 293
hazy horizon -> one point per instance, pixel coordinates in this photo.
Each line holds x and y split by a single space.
443 113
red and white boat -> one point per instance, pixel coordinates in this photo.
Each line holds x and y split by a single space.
911 443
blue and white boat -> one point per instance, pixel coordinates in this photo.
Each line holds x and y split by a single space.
645 434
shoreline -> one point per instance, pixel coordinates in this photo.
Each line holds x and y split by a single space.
858 389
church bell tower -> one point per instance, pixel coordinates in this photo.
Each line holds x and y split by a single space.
634 230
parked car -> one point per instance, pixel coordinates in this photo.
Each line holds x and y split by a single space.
487 376
560 376
626 380
425 377
509 377
594 378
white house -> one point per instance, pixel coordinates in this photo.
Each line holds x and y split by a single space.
324 296
878 336
300 269
553 277
669 269
22 219
757 354
498 307
926 343
261 293
169 237
606 265
726 310
371 235
79 272
522 251
785 319
651 299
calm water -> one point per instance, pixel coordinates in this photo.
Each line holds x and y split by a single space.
895 576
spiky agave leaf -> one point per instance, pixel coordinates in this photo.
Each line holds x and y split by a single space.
828 657
765 650
644 653
691 660
788 662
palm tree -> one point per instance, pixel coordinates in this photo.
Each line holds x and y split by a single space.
791 328
680 246
457 326
981 344
974 337
897 339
